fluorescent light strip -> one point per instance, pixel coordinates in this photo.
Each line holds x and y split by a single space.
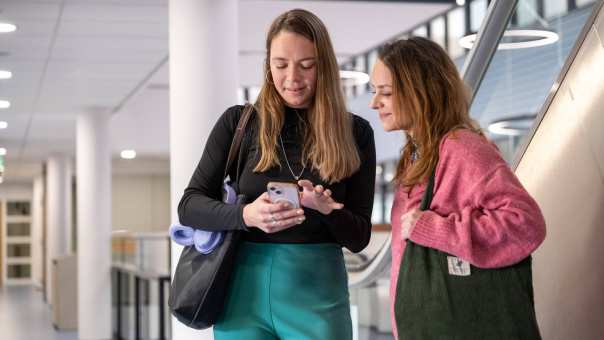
4 104
3 125
2 152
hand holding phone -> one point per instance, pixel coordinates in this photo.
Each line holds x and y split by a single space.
277 209
283 192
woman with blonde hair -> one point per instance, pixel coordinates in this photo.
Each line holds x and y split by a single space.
290 281
475 215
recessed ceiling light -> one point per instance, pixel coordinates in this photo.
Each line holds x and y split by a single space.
128 154
5 74
354 77
5 27
543 38
2 151
4 104
3 125
460 2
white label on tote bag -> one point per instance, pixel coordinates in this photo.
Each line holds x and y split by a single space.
458 266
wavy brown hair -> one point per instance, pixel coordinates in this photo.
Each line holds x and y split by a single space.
426 88
329 145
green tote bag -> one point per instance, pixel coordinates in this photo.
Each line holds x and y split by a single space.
439 296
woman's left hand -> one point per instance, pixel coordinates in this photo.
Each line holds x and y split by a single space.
317 198
408 221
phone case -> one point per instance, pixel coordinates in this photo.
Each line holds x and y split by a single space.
283 192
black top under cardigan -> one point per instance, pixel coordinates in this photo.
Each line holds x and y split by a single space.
201 204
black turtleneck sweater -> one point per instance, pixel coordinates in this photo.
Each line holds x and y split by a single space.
201 207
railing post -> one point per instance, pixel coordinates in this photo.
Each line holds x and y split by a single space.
162 327
119 303
137 332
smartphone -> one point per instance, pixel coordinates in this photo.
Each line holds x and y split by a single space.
284 192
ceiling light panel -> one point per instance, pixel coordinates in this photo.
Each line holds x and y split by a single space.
6 27
5 74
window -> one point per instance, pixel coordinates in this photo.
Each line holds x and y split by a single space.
18 208
555 8
17 229
421 31
18 271
514 90
581 3
437 31
526 12
478 10
457 29
18 250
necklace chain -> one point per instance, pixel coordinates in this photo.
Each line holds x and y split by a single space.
287 161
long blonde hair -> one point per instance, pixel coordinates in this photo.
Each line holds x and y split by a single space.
329 145
427 89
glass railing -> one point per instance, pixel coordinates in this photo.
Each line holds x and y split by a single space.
140 282
518 80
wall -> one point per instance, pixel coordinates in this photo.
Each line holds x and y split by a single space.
141 202
563 168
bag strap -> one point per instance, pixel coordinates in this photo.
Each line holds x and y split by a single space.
238 137
427 198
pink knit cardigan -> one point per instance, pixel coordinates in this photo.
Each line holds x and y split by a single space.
480 212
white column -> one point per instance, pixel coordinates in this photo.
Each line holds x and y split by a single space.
93 159
37 239
203 83
58 214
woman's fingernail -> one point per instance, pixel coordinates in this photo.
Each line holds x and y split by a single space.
300 212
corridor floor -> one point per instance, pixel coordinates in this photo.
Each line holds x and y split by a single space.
25 316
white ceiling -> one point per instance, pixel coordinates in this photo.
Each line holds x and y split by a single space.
70 56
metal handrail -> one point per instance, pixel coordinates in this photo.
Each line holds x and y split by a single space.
376 267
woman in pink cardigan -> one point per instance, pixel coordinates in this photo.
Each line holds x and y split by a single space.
480 212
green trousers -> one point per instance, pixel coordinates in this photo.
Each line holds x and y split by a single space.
287 292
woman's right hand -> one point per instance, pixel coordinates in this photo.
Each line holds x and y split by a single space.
271 217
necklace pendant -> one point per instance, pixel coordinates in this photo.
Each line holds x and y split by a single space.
287 162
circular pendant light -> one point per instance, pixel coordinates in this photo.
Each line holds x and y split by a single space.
536 38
